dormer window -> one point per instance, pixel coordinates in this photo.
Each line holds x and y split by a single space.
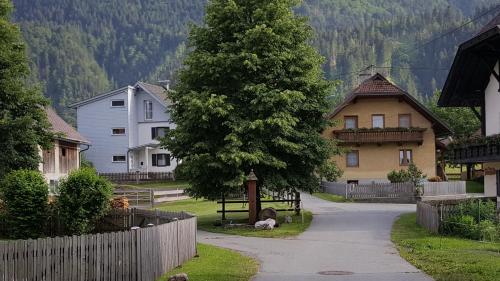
117 103
148 110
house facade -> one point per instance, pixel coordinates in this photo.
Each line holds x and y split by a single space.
383 128
64 156
473 82
123 127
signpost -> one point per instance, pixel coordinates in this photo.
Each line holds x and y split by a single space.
252 197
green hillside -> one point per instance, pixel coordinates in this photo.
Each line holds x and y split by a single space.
81 48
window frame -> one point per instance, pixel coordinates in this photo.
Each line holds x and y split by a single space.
383 120
409 120
118 128
355 117
347 159
118 106
121 155
146 103
402 162
154 159
154 131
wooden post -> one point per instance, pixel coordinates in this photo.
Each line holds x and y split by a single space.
152 197
252 197
297 203
223 207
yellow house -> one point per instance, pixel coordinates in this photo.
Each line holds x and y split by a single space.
383 128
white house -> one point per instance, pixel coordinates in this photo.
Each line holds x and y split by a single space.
473 82
123 126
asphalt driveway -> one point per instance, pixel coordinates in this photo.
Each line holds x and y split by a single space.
346 241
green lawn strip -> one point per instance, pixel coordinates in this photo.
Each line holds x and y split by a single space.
206 212
474 187
217 264
446 258
330 197
167 185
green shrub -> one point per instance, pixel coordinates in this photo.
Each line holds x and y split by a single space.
398 176
25 197
84 198
488 231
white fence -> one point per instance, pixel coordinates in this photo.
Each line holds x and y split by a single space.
444 188
393 190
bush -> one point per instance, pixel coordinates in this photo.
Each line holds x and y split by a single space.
398 176
25 198
84 199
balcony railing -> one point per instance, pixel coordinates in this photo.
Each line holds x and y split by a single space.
379 136
475 153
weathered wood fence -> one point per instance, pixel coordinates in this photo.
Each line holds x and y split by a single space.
138 177
143 254
393 190
148 198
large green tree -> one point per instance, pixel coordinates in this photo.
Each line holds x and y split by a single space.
251 95
462 121
23 122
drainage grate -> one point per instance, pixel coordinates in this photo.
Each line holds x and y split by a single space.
335 272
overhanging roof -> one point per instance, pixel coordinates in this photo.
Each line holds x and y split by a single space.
471 70
378 86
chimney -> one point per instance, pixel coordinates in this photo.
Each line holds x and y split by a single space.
165 84
366 73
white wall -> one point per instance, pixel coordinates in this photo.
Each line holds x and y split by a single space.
95 121
492 103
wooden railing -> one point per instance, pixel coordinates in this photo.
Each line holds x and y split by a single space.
138 177
148 198
387 135
475 153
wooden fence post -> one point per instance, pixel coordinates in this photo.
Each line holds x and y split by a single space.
152 197
252 197
297 203
223 207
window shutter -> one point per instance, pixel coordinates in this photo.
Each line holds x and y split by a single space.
167 160
153 133
154 160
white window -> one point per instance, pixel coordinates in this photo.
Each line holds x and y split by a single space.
378 121
148 110
119 158
352 158
351 122
405 157
161 160
405 120
118 131
117 103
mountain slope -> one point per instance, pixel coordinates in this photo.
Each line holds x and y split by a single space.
81 48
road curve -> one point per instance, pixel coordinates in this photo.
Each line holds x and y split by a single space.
346 241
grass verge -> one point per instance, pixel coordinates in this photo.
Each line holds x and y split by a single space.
446 258
474 187
217 264
206 212
330 197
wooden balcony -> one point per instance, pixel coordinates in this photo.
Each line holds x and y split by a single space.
475 153
380 136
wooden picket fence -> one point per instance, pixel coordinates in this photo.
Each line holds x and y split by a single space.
367 191
143 254
444 188
148 198
138 177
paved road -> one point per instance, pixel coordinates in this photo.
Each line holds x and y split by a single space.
349 240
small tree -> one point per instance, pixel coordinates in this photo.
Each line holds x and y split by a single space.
416 176
84 198
25 195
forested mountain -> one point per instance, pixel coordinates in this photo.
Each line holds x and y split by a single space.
81 48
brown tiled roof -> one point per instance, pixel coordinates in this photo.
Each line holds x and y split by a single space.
494 22
156 90
61 127
377 84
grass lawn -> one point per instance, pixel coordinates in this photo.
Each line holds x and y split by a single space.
160 185
207 216
446 258
331 197
474 187
217 264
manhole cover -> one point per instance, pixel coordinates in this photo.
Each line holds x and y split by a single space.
335 272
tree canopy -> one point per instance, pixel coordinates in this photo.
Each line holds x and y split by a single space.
251 96
23 122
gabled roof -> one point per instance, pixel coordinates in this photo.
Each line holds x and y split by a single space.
472 67
157 92
378 86
59 126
